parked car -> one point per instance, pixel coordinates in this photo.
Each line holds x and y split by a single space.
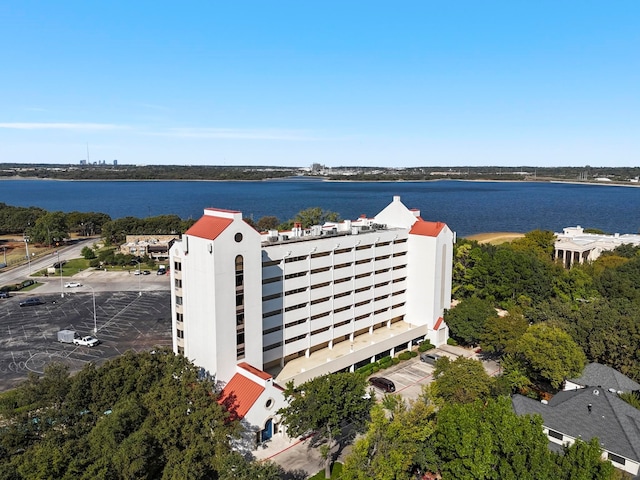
87 341
72 284
136 272
29 302
4 294
383 384
146 272
430 358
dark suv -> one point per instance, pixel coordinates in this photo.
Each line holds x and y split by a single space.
31 301
4 294
383 384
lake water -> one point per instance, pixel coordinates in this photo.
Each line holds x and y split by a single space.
467 207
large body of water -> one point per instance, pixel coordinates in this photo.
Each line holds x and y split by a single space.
467 207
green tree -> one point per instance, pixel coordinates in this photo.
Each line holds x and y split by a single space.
462 381
88 253
487 440
501 333
50 228
550 354
323 405
393 442
315 216
267 223
466 320
583 461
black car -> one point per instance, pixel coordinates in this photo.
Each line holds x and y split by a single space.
383 384
4 294
31 302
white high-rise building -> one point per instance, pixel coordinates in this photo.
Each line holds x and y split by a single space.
310 301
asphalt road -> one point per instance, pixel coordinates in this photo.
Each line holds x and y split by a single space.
131 313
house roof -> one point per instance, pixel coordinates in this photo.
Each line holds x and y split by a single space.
255 371
428 229
209 227
239 395
598 375
613 421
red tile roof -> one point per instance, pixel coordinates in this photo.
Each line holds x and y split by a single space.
428 229
209 227
222 210
239 395
438 323
257 372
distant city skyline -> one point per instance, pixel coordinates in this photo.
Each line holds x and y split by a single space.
292 83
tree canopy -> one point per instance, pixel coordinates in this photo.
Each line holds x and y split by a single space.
146 415
324 405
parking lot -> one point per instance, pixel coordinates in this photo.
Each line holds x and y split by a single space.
409 376
125 320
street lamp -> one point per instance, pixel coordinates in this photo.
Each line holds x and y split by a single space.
95 322
139 275
26 246
60 267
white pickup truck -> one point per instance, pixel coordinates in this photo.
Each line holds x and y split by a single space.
87 341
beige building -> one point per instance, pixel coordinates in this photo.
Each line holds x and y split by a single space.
155 246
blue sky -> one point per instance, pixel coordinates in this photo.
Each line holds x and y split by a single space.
407 83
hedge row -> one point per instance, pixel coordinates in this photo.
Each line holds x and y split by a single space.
385 362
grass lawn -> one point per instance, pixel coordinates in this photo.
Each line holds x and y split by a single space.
336 472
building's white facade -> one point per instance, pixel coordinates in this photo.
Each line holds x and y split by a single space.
574 246
310 301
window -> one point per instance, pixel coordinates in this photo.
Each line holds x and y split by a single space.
320 285
180 350
382 257
320 254
401 279
382 270
342 265
359 304
296 290
295 339
297 322
239 270
401 240
295 259
363 275
319 300
295 307
381 297
341 280
266 281
320 330
364 260
177 266
616 458
340 324
271 297
363 289
363 247
342 250
398 267
342 309
320 270
399 254
178 283
272 330
319 315
381 284
179 317
555 434
295 275
343 294
271 347
178 300
238 237
399 292
270 263
180 333
382 244
272 314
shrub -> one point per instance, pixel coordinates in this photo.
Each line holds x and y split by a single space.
375 369
452 341
424 346
395 361
404 356
413 354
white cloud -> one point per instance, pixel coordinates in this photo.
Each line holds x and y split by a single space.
60 126
238 134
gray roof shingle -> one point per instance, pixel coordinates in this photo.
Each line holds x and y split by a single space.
598 375
613 421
